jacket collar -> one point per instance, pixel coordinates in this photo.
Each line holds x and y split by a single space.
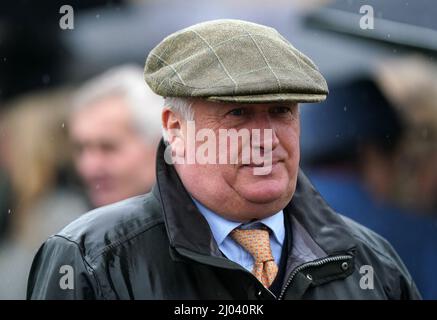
189 231
186 227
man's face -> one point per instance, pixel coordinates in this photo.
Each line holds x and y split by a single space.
233 190
111 157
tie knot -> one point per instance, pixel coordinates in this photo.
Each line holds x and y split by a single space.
256 242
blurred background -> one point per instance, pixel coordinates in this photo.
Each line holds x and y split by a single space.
79 127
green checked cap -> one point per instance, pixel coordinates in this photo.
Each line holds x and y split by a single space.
233 61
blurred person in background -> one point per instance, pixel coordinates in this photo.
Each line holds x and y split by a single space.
373 155
37 173
411 85
115 127
113 142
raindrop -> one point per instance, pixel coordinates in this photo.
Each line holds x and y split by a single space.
97 16
62 125
97 186
388 35
9 211
345 108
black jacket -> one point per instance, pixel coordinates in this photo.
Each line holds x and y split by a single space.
158 246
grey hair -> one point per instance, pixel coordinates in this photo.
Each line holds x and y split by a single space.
181 106
128 82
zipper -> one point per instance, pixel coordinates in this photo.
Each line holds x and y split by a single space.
304 266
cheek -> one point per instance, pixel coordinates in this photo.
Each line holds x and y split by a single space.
294 149
133 157
293 165
289 140
121 161
202 179
290 143
212 176
82 169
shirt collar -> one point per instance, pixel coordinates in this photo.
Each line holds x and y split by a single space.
221 227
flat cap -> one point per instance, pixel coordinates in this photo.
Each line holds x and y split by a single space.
233 61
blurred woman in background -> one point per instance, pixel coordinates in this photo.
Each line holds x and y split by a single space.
35 157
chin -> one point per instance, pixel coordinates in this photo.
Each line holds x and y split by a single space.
265 192
263 189
263 204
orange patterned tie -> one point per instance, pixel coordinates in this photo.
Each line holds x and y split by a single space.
257 243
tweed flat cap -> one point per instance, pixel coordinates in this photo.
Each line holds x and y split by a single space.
233 61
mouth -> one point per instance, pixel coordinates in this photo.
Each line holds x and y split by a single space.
261 165
100 184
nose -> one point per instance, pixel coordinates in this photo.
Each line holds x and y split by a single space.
90 163
263 133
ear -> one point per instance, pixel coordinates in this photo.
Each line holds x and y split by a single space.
173 124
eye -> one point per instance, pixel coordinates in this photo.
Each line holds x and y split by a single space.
237 112
108 146
280 110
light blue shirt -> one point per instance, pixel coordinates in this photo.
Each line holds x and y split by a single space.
221 229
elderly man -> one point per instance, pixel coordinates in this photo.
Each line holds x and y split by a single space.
213 226
114 128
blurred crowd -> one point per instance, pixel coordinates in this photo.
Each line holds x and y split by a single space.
376 161
86 136
64 153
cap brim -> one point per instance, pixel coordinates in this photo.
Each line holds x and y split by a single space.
268 98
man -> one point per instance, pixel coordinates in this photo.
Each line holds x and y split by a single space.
247 229
115 128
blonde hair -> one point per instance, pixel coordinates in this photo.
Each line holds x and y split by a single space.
36 145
